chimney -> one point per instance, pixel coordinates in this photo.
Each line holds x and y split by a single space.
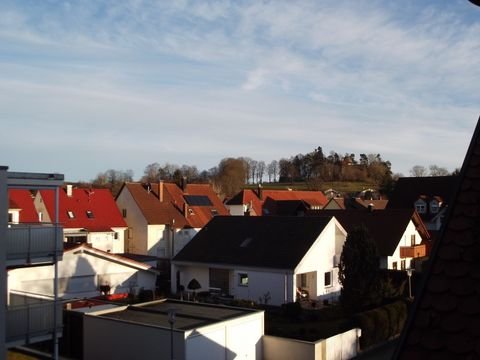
185 210
160 190
69 190
183 183
260 192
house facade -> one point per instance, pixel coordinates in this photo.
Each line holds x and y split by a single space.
89 216
400 236
264 259
163 217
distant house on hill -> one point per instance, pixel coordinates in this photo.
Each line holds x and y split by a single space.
88 216
264 257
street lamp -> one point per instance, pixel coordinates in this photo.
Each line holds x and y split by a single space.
409 273
172 313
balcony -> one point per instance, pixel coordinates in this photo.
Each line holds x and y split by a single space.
32 323
413 251
34 243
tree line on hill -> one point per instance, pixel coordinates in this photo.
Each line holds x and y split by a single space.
233 174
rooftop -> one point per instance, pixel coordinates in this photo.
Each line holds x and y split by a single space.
188 315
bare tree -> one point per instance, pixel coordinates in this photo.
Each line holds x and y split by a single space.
438 171
113 179
418 171
151 173
260 171
272 170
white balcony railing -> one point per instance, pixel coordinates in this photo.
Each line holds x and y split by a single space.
34 243
27 323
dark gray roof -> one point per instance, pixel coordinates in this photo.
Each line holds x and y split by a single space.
259 241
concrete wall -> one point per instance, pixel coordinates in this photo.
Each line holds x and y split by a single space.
110 339
233 339
338 347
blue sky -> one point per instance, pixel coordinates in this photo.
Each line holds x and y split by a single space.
86 86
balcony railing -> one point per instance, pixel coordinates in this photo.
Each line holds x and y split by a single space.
35 322
34 243
413 251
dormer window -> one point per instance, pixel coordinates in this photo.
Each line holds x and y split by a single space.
70 214
421 206
90 214
434 206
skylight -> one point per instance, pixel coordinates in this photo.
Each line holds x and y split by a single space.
70 214
90 214
246 242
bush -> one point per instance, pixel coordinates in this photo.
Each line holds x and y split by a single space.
382 323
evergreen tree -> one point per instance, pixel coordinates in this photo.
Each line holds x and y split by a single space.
358 271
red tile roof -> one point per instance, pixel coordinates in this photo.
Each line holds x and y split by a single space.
99 201
173 204
22 199
445 318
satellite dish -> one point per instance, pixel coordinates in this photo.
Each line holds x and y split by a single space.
476 2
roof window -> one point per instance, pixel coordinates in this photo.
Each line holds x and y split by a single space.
70 214
90 214
246 242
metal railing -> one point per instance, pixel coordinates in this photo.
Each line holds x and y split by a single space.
27 322
34 242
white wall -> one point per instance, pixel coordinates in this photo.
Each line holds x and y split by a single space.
320 259
135 220
233 339
405 241
80 275
187 273
236 210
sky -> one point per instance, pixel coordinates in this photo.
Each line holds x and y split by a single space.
87 86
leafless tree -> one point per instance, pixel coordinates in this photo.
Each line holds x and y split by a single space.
260 171
438 171
418 171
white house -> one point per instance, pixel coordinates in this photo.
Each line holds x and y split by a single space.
400 234
264 258
81 273
88 216
169 329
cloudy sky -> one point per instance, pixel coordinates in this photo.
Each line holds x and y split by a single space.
86 86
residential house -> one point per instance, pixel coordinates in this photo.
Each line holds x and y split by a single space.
20 207
264 258
355 203
444 321
163 217
400 235
88 216
28 244
429 195
84 272
275 202
170 329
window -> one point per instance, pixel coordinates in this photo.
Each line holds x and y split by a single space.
40 216
115 235
124 213
394 265
434 207
420 206
243 279
70 214
10 217
90 214
403 265
328 278
303 280
412 240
